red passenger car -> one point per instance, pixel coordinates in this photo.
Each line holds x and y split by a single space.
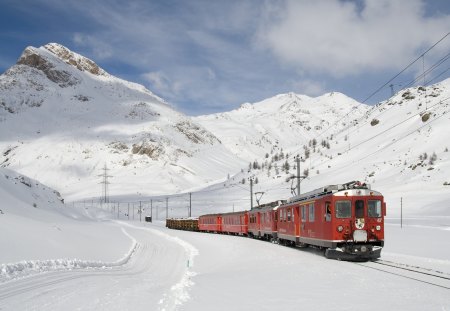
263 220
210 223
347 220
235 223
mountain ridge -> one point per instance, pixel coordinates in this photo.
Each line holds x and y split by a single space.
63 132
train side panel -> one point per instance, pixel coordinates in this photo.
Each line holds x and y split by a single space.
254 223
235 223
288 223
210 223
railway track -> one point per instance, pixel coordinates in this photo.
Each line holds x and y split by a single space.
419 274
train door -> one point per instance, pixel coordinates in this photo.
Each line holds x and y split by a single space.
360 212
359 221
326 223
302 222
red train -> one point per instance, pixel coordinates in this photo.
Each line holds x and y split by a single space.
346 220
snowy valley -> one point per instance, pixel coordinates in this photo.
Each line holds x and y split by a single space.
63 119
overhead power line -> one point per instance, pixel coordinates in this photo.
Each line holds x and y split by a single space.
404 69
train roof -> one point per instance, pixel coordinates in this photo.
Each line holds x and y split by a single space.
332 189
271 205
224 214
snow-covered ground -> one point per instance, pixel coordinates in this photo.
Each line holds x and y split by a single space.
85 256
82 258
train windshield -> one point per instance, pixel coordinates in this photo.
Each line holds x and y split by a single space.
359 209
343 209
374 208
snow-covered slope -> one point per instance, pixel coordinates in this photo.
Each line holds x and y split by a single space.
62 118
36 226
284 121
400 146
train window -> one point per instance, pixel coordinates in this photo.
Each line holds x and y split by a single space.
327 211
343 209
374 208
303 213
276 216
311 212
289 215
359 209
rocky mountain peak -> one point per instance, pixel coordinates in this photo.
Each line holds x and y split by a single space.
80 62
32 57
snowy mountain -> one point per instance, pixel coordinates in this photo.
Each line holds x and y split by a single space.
62 118
284 121
399 146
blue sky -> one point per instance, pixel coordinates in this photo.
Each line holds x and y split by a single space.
206 56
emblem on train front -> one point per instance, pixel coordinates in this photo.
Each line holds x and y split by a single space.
359 223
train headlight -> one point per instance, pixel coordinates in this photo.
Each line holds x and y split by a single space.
363 249
378 228
340 228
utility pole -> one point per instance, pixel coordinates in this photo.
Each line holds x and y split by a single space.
128 211
167 207
140 211
190 204
251 193
118 210
401 212
298 175
105 183
151 209
392 89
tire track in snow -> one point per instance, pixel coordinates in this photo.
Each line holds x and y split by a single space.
179 292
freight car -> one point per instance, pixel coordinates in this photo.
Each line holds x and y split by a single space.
188 224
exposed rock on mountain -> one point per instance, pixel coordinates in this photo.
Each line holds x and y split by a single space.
62 118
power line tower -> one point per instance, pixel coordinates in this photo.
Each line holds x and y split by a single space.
392 89
105 182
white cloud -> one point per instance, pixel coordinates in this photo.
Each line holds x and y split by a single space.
100 49
341 38
308 87
160 82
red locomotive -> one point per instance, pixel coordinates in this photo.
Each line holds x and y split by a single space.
346 220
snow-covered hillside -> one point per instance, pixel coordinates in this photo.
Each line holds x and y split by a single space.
62 118
284 121
400 146
36 225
